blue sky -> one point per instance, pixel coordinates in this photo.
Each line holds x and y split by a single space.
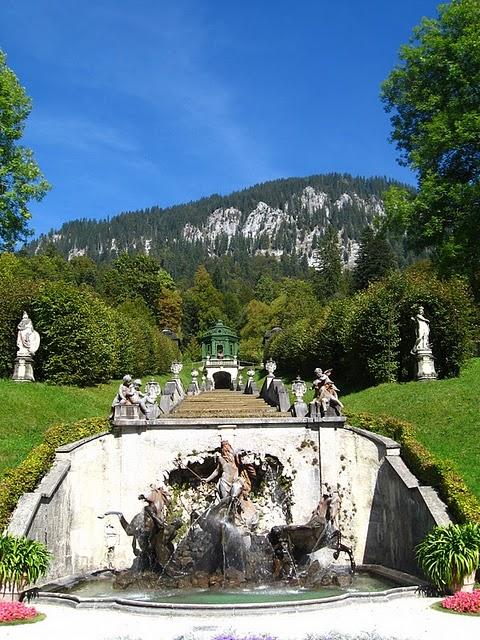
154 103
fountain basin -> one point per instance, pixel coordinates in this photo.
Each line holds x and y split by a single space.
96 590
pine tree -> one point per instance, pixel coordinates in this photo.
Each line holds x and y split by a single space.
375 258
327 278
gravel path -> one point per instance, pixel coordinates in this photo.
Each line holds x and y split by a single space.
408 618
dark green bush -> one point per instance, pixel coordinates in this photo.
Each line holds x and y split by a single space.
166 352
28 474
462 503
79 336
373 337
291 348
143 347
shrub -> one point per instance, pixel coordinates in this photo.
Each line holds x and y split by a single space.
79 338
329 345
291 347
22 563
463 602
166 351
143 347
27 475
12 611
448 554
462 504
373 336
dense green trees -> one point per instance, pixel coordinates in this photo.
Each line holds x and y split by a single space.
135 275
79 338
203 305
20 177
164 229
84 340
435 105
367 338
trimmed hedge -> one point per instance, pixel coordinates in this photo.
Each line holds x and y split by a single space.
441 475
28 474
79 339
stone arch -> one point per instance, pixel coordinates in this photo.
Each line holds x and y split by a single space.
222 380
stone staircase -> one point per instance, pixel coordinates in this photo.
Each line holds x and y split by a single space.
225 404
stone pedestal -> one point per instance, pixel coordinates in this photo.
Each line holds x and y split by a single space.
300 409
23 370
425 365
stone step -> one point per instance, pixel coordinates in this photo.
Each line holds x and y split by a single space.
225 404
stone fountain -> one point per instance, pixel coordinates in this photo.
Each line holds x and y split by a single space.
198 534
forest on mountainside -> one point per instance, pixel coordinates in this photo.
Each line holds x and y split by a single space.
297 212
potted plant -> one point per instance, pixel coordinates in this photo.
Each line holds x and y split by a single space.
22 563
449 556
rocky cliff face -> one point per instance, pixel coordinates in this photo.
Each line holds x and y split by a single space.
265 227
283 217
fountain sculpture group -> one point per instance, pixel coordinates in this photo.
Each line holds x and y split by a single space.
220 544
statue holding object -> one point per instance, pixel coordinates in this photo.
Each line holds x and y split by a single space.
130 394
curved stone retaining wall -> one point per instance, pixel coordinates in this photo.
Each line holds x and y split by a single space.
384 512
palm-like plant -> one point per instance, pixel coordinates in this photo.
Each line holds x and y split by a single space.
22 562
448 554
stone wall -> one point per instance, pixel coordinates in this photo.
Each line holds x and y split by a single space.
383 512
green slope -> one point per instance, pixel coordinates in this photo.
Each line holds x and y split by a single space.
27 410
446 414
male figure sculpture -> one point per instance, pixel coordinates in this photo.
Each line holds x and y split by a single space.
423 331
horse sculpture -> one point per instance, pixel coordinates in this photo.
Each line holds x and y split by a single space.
292 543
153 536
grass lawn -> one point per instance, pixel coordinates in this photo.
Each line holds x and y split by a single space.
446 414
27 409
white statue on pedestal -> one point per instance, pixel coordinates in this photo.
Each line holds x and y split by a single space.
425 364
423 332
28 340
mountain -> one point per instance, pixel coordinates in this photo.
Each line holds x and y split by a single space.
281 217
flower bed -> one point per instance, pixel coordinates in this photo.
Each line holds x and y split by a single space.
12 611
463 602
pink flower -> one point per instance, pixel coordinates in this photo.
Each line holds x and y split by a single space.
14 610
463 602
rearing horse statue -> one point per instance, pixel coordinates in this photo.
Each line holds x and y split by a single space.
152 535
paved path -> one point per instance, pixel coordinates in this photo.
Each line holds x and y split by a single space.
409 618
